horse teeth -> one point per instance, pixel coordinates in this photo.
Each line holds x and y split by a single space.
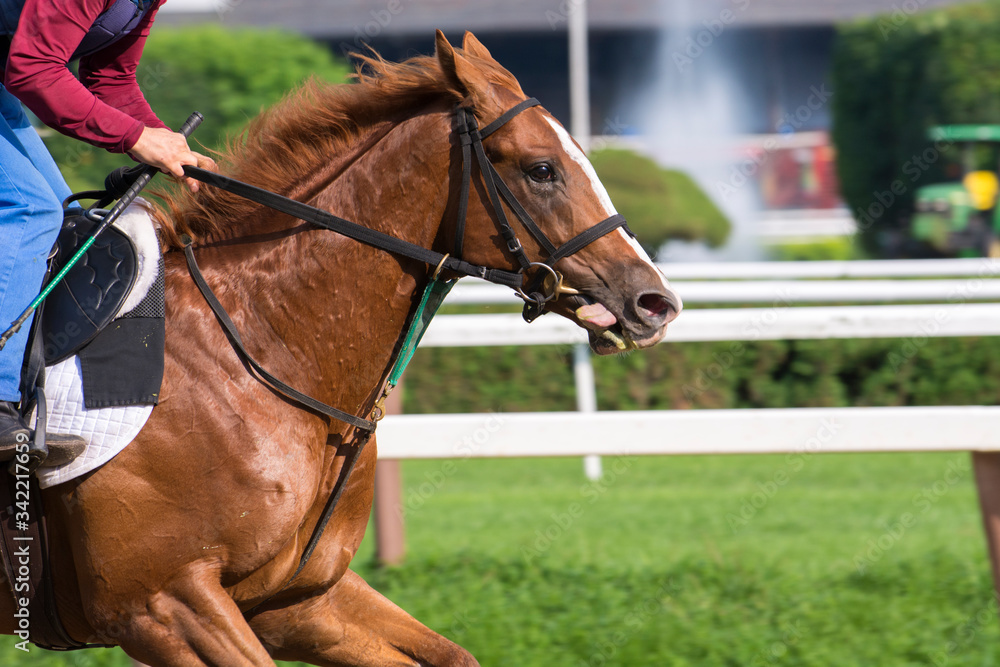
615 338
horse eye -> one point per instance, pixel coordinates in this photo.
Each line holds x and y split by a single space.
542 173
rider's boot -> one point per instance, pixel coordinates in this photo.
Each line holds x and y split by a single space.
62 448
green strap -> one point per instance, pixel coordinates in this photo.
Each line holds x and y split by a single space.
434 294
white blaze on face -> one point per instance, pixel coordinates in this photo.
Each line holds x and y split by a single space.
577 156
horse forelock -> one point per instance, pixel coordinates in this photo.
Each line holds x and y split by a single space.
288 142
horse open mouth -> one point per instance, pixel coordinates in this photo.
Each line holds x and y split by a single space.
611 332
605 330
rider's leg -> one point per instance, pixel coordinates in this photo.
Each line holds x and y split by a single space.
34 147
30 218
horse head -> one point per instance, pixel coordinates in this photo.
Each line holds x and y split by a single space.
609 285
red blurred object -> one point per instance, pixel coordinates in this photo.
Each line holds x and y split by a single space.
798 172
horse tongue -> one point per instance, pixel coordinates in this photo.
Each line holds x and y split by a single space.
596 314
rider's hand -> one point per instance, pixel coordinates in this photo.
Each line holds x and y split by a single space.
168 151
206 163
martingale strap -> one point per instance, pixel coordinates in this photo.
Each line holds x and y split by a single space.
350 458
432 299
433 296
267 378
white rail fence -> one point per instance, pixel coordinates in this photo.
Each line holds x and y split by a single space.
690 432
955 286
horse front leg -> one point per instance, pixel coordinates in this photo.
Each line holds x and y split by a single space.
352 625
192 622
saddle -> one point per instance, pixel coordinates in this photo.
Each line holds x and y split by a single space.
120 364
92 292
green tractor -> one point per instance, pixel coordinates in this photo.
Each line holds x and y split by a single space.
961 219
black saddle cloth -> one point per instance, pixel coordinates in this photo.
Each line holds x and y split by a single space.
93 291
121 359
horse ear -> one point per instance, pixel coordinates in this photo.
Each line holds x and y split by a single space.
462 75
474 47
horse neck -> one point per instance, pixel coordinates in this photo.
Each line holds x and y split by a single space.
329 311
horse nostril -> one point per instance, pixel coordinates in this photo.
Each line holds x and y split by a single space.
658 307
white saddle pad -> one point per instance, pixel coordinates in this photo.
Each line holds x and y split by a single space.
106 430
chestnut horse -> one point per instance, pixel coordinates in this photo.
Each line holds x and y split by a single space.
180 549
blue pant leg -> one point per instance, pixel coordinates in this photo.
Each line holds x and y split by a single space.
30 218
38 153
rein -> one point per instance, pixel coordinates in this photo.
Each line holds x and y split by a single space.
539 293
471 142
352 230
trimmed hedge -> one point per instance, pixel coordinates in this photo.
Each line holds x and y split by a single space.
660 204
839 248
896 75
762 374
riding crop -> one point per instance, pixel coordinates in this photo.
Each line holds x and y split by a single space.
145 174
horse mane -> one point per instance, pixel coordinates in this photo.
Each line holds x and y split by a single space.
287 142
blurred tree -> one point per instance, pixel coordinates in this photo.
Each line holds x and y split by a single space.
660 204
895 76
227 75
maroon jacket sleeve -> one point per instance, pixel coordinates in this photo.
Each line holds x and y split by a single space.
105 107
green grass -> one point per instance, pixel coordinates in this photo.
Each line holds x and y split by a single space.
526 564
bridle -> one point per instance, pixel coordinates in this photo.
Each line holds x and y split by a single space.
544 288
537 293
548 284
540 291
